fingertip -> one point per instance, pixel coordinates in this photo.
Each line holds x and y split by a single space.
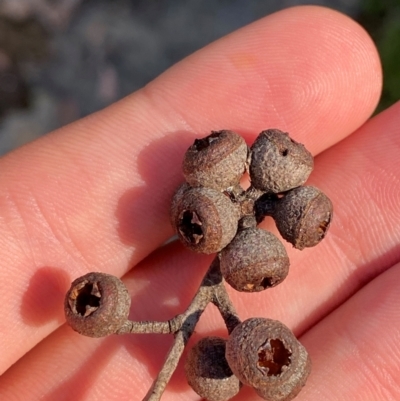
309 70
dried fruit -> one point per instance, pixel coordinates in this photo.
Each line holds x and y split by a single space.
213 213
303 216
97 304
217 161
254 261
264 354
208 373
278 163
205 219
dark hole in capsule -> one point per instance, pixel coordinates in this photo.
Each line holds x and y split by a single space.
266 282
86 298
273 356
323 226
284 152
190 227
203 143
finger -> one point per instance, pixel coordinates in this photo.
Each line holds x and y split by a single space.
346 347
350 347
355 351
337 267
95 195
116 367
360 175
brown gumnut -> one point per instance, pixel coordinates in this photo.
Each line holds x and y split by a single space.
208 373
303 216
205 219
278 163
97 304
265 354
217 161
254 261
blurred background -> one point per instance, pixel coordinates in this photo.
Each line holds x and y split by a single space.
63 59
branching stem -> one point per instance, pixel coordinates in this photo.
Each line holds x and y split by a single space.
212 290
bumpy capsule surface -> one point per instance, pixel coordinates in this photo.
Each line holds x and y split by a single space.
254 261
97 304
265 354
208 373
303 216
217 161
205 219
278 163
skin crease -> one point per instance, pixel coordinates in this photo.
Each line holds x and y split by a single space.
95 196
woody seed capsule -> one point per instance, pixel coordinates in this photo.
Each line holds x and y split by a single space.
205 219
217 161
208 373
97 304
254 261
265 354
303 216
278 163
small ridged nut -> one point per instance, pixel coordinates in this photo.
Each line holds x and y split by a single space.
97 304
254 261
265 354
303 216
205 220
208 373
278 163
217 161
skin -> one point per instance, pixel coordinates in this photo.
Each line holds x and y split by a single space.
94 196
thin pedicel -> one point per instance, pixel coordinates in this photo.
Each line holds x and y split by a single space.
212 213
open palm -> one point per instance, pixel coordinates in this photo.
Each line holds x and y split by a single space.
94 196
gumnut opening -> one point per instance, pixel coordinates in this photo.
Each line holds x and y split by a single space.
97 304
265 354
205 219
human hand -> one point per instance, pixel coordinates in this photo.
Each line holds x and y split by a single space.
95 195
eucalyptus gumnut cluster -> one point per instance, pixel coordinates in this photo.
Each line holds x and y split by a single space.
212 213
